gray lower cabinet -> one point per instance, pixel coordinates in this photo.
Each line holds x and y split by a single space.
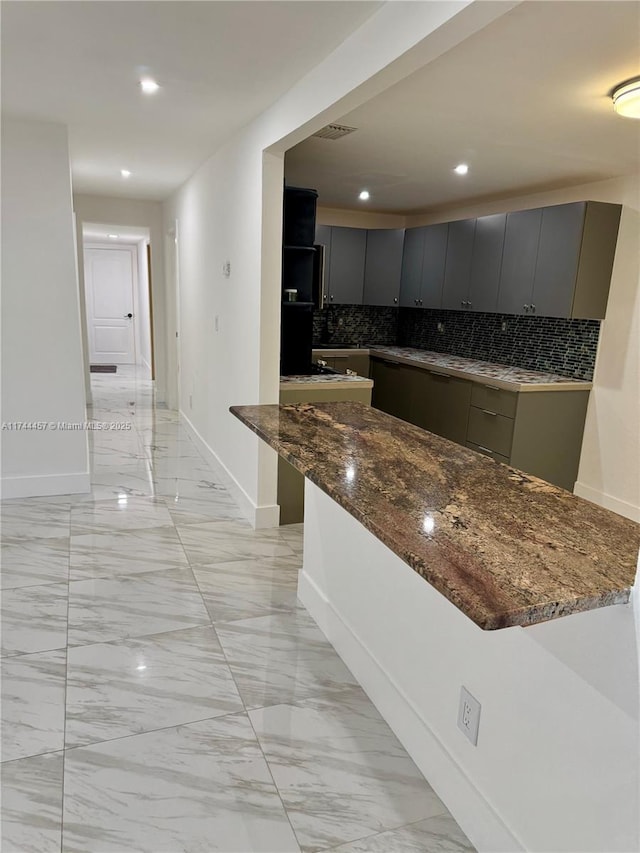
539 432
383 264
346 266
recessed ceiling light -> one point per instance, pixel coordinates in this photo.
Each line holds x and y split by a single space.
364 195
125 173
462 169
626 98
113 237
149 86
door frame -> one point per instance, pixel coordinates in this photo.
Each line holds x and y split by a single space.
133 251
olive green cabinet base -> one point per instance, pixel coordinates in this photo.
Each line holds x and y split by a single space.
290 481
539 432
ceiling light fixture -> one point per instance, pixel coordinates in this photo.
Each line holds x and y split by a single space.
364 195
626 98
149 86
125 173
462 169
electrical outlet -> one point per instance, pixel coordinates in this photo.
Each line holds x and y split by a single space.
469 715
226 269
441 327
504 326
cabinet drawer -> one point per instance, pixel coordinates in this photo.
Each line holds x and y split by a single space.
490 430
486 452
494 400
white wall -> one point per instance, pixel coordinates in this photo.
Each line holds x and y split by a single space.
143 349
609 472
231 210
41 334
556 767
145 214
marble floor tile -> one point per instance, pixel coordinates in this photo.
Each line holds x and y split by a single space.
440 834
33 704
125 552
132 481
108 609
220 541
341 772
241 589
31 813
124 513
202 787
34 562
281 658
34 618
27 519
214 505
292 534
133 686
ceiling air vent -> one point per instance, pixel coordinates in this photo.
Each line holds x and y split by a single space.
334 131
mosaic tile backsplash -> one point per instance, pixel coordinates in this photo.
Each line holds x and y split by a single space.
355 324
567 347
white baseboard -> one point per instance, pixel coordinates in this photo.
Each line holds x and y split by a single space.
624 508
45 485
476 816
259 517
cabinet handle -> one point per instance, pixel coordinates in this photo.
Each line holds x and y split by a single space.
533 308
415 301
462 304
437 373
493 387
331 297
487 412
486 449
421 302
526 307
469 304
395 300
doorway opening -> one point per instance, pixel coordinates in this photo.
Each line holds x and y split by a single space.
118 298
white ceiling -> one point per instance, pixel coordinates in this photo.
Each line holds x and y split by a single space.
219 65
524 102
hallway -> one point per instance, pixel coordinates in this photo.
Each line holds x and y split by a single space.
162 688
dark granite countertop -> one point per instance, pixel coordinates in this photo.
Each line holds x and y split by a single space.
504 547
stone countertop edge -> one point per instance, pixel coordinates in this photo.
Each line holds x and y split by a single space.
320 381
452 561
412 359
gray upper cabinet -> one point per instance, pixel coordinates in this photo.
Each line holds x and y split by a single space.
522 235
433 264
346 266
383 264
557 260
411 275
457 272
486 262
323 238
575 259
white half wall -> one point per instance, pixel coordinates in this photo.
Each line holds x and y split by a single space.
556 768
609 472
145 214
42 377
231 211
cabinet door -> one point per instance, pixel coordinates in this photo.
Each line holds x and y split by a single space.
411 274
323 238
391 388
442 407
522 235
558 257
434 256
457 271
486 261
346 275
383 264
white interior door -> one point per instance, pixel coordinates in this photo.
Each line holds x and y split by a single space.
110 301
